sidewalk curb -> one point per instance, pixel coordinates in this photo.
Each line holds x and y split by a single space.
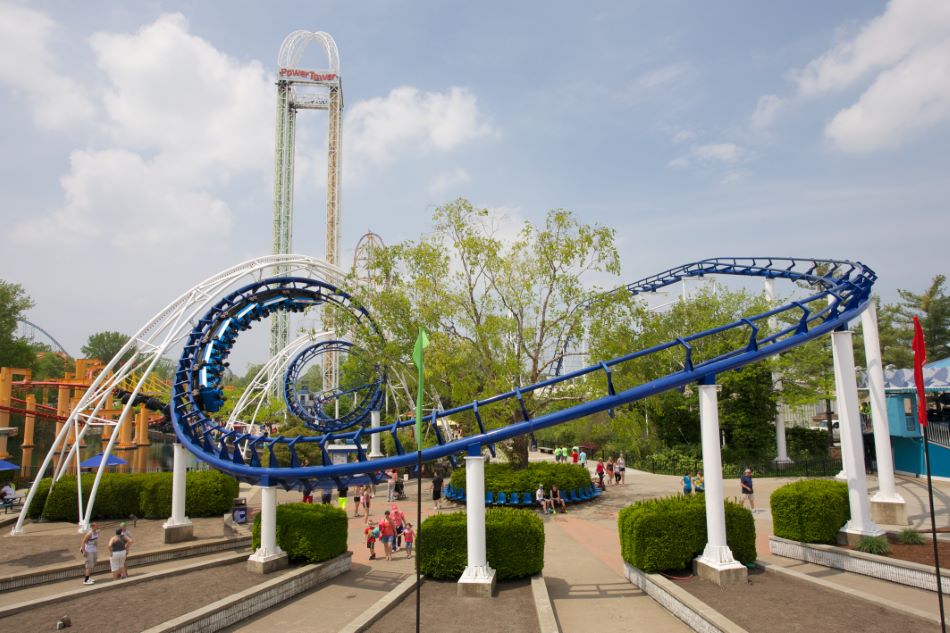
75 570
881 567
547 622
854 593
695 613
99 588
242 605
381 606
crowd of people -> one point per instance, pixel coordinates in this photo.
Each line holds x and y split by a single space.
613 472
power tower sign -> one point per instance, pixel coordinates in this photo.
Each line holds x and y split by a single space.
298 89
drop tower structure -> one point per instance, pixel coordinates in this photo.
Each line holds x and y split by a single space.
305 89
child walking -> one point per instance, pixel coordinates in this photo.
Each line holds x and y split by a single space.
409 536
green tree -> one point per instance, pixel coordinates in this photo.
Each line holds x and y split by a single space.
14 351
103 346
48 364
500 314
932 307
895 335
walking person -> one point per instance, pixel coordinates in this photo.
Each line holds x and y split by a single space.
387 534
118 550
575 455
745 485
399 524
610 470
600 473
391 491
621 467
699 484
367 498
357 501
371 532
437 490
127 535
583 457
90 551
410 536
341 494
687 484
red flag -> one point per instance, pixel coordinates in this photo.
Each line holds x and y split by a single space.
920 357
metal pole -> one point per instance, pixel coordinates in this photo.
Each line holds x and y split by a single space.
418 527
933 528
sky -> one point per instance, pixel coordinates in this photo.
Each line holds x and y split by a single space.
137 139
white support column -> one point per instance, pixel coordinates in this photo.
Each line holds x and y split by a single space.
178 527
852 450
887 505
478 579
268 556
716 563
781 448
374 447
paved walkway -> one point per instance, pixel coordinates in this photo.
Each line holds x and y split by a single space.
583 567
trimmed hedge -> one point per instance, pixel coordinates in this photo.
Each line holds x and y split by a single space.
39 499
148 495
514 541
662 534
811 511
501 477
308 533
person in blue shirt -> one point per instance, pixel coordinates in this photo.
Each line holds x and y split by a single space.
687 484
745 484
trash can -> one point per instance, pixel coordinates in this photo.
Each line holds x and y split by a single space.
239 510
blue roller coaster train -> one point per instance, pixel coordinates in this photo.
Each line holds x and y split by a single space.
841 290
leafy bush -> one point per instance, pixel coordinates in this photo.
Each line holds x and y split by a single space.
209 493
39 499
155 496
669 533
805 442
149 495
874 545
910 536
811 511
514 540
502 478
308 533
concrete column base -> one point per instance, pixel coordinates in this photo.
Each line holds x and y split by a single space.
477 582
723 574
888 512
787 460
259 563
851 536
179 533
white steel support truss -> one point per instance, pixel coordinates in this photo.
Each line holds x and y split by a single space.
165 332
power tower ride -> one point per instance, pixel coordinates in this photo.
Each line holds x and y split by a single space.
304 89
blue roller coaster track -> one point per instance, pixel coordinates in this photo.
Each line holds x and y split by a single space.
840 291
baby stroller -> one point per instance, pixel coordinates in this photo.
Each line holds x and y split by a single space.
400 491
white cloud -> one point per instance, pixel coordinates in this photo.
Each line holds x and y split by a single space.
683 136
181 119
766 110
408 120
117 198
174 92
905 28
663 75
903 55
711 153
446 181
27 66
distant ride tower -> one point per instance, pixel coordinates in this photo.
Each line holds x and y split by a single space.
302 89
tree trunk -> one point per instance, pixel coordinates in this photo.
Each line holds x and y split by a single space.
517 452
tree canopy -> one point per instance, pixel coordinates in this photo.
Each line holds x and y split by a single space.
103 346
14 351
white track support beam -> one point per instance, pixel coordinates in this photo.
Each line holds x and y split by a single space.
887 505
852 450
268 556
478 579
374 441
716 562
178 527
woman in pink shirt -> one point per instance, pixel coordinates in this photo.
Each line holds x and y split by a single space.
399 520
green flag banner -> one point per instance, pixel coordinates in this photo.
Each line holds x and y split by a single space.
422 342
